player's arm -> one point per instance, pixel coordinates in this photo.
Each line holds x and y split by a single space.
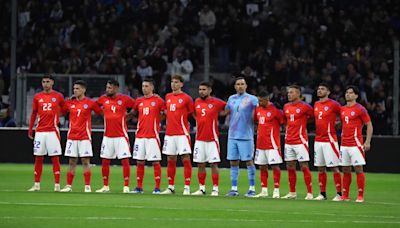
227 109
33 117
370 130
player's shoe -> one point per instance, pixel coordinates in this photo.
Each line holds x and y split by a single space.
186 191
276 194
262 194
337 198
250 194
156 191
214 193
320 197
57 187
345 198
67 188
290 195
35 187
360 199
88 188
168 191
309 196
199 193
233 193
126 189
104 189
137 191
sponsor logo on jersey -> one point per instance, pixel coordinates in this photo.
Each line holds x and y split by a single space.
153 103
326 108
316 109
269 114
119 102
85 106
180 101
298 110
141 104
41 100
210 106
169 100
198 106
352 113
287 111
107 102
72 106
53 99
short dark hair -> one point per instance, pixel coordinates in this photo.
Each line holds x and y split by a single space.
326 85
178 77
294 86
263 93
113 82
149 80
354 88
240 78
49 76
204 83
81 83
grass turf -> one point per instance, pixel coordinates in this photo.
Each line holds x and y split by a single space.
19 208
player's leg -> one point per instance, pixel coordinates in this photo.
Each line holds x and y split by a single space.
170 149
123 151
277 180
307 179
246 151
332 158
53 147
184 149
39 150
261 159
290 158
107 152
215 178
233 157
139 176
337 179
72 162
37 173
322 178
360 182
139 154
87 173
153 154
157 177
347 176
319 161
201 176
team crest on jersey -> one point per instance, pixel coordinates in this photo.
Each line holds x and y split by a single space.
210 106
298 110
269 114
53 99
352 113
153 103
119 102
85 106
326 108
180 101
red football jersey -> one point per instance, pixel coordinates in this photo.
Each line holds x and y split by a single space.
325 117
178 107
268 132
48 106
80 118
353 119
296 119
149 111
207 112
114 110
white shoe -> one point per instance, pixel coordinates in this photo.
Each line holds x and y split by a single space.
337 198
67 188
309 196
320 197
168 191
35 187
290 195
186 191
262 194
125 189
276 194
56 187
198 193
87 188
104 189
214 193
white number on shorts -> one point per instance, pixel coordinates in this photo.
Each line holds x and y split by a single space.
346 119
46 106
292 117
203 112
262 120
320 115
113 108
146 111
172 107
79 112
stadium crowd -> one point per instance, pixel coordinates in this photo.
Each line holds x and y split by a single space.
271 43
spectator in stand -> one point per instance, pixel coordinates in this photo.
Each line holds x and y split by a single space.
144 70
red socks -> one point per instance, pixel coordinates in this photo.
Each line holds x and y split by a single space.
264 178
346 184
105 171
322 181
277 176
87 175
171 170
307 178
56 168
202 178
38 168
70 177
126 170
139 175
292 179
215 179
338 181
361 184
157 174
187 171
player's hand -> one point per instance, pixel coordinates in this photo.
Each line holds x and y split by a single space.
30 134
367 146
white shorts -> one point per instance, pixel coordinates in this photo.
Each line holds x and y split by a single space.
115 147
352 156
176 145
47 143
78 148
326 154
267 157
297 152
206 152
146 149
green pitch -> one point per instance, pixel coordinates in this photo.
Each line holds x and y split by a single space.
19 208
